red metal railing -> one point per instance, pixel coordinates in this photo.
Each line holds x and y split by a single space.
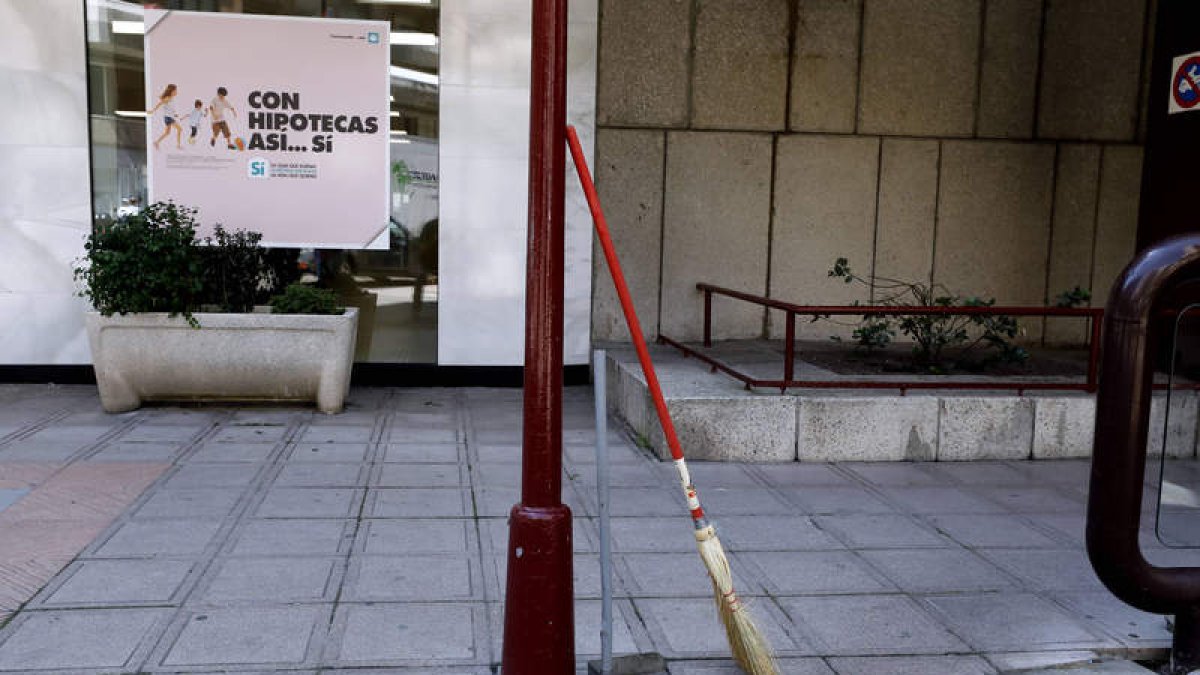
791 311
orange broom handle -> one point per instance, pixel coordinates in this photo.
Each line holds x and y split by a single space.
614 265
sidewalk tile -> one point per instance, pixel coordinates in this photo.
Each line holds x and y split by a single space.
215 502
121 582
690 627
882 531
415 535
212 475
329 452
410 578
807 666
283 502
249 434
412 632
988 474
587 630
99 638
938 570
250 635
1129 625
817 573
432 453
318 435
835 501
416 502
321 475
773 533
80 434
912 665
161 451
419 475
293 537
403 434
799 474
162 432
232 452
744 501
1047 569
39 451
856 625
680 575
275 580
894 474
1011 622
992 531
653 535
177 537
941 500
1034 499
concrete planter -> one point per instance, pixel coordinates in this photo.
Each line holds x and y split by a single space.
231 357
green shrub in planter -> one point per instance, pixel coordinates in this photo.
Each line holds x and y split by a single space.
234 268
302 299
151 261
146 262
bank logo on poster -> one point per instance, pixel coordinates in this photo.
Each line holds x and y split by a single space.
257 167
276 124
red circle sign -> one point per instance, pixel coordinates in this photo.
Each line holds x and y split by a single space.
1185 86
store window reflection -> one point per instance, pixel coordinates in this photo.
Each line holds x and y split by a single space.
395 289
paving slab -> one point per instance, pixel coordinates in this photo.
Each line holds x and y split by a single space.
870 624
911 665
293 537
406 632
274 580
112 582
1012 622
99 638
245 636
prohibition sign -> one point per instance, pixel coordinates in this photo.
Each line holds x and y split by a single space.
1186 83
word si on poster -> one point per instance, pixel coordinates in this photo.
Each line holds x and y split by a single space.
273 124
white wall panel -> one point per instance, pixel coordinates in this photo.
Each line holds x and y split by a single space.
44 191
484 167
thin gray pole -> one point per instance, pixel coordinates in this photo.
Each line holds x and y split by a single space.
598 372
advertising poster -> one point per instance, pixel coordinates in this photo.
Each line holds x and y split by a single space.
273 124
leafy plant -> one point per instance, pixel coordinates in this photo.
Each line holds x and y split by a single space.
233 269
152 262
933 334
302 299
1076 297
146 262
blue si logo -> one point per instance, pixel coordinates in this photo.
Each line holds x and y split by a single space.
257 167
373 38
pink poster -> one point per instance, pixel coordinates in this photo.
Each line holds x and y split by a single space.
273 124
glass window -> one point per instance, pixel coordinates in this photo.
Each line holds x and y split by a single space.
396 290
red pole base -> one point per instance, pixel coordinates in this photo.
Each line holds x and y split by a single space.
539 608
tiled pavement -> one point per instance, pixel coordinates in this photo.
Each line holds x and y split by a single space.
276 540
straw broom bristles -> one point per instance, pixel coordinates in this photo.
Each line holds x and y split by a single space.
747 643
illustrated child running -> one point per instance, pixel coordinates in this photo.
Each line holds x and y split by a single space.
170 117
198 113
217 107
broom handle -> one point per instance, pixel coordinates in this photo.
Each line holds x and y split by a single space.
614 266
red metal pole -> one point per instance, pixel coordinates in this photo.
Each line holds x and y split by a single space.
789 346
539 633
707 318
1094 353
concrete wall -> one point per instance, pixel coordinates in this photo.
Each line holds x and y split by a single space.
749 143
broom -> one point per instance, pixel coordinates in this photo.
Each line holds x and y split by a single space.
749 647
